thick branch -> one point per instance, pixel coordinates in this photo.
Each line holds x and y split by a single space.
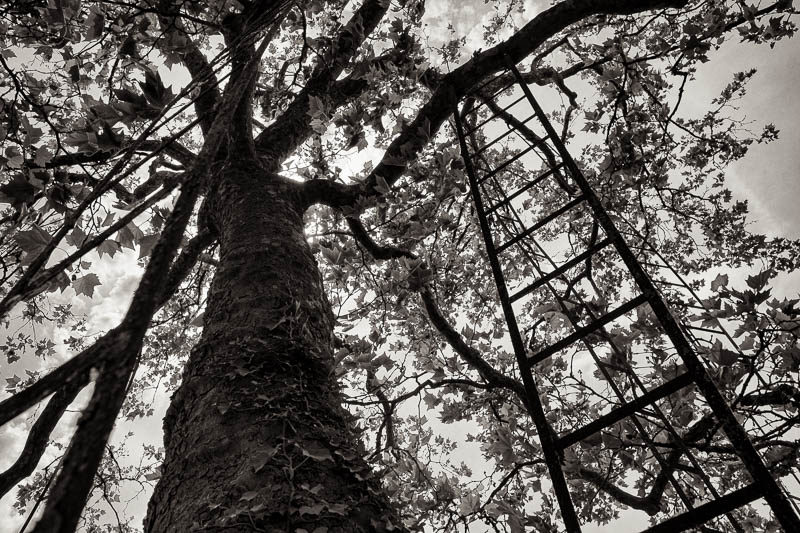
376 250
647 504
197 65
71 489
458 83
467 352
293 127
456 341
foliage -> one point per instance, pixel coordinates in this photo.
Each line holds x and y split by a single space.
109 110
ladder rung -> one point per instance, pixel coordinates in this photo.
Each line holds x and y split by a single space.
708 511
505 164
707 330
590 328
536 181
499 138
560 270
491 97
656 265
626 410
494 115
555 214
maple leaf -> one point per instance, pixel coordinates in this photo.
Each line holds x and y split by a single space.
146 245
719 282
76 238
108 247
129 235
316 452
86 284
33 240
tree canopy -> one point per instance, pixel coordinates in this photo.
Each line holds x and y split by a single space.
117 119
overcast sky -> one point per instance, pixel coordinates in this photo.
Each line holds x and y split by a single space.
767 178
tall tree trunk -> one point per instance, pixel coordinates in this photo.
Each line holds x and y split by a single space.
256 438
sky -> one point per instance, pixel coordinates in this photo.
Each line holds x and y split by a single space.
767 178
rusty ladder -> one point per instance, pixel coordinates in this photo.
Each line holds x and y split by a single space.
506 214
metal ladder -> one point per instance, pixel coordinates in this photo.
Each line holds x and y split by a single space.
637 407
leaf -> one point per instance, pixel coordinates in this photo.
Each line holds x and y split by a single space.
76 238
316 107
111 113
129 235
381 185
334 255
32 133
14 157
146 245
18 191
316 452
85 285
109 247
260 459
127 96
727 357
759 281
33 240
95 23
73 70
43 155
719 282
60 282
12 382
249 495
314 510
469 503
153 88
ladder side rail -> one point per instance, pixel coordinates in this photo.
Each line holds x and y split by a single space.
736 434
546 436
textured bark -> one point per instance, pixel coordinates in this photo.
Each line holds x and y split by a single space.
256 438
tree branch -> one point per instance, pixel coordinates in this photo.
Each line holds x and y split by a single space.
458 83
195 63
293 127
39 435
648 504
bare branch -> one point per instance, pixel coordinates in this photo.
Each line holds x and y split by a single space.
39 436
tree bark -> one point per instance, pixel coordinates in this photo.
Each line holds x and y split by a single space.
256 438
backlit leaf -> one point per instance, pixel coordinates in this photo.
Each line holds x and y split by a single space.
85 285
33 240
